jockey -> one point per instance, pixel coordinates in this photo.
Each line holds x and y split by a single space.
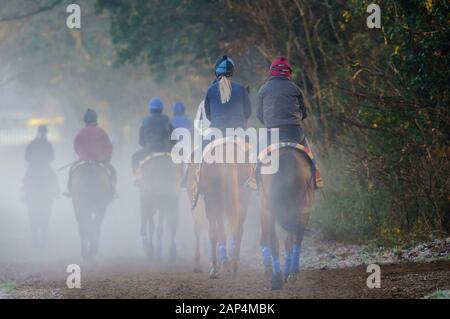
39 154
280 102
227 104
280 106
40 150
155 132
92 143
179 119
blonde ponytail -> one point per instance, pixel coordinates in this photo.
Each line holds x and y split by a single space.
225 89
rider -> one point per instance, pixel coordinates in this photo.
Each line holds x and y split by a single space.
227 104
154 134
39 154
280 102
40 150
179 118
92 143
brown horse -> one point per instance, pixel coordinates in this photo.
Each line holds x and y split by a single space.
40 190
286 198
159 192
92 191
226 201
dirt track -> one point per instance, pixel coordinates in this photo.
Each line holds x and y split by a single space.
150 281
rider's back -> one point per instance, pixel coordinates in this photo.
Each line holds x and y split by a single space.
39 152
232 114
155 132
93 144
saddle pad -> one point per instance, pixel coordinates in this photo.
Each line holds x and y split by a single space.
152 156
226 140
318 182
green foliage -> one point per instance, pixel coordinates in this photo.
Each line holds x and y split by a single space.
7 287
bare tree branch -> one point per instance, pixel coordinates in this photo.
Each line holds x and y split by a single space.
32 13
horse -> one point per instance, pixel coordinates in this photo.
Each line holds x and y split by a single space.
159 193
40 189
286 200
91 191
226 199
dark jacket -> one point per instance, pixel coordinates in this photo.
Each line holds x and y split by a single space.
234 113
39 152
280 102
155 133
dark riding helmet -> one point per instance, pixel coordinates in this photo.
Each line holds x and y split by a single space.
224 66
90 117
42 130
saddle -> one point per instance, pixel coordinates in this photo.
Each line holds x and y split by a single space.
145 160
82 163
304 148
218 142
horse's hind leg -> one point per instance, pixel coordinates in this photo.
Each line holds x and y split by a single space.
288 259
95 234
172 220
159 234
277 277
235 247
295 254
197 233
266 224
147 227
83 230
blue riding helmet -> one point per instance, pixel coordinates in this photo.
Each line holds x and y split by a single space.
155 105
224 66
178 108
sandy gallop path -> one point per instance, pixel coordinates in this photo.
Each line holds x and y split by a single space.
139 279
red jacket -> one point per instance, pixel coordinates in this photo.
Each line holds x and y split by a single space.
93 144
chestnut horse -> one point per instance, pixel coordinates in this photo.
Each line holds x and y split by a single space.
159 192
286 199
92 191
226 199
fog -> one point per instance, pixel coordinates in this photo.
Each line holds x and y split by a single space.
50 75
120 240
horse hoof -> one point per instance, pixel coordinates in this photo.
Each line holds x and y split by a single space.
213 273
277 281
291 278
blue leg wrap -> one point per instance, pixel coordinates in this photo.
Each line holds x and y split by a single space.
295 259
275 265
267 258
222 253
287 264
232 248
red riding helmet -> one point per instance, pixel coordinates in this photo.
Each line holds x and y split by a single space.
281 67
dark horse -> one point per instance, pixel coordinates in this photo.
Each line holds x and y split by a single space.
92 191
40 190
159 192
286 197
226 201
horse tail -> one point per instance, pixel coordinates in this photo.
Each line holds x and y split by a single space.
285 189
